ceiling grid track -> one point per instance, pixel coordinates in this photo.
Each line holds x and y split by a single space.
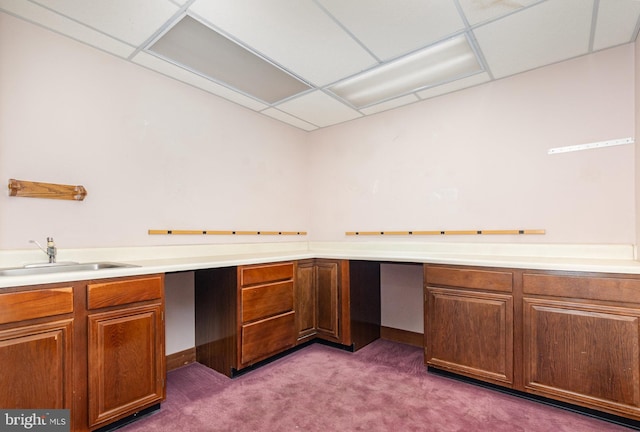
329 45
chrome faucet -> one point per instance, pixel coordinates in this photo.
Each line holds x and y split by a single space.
51 249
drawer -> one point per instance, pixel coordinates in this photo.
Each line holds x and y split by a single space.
19 306
267 337
491 280
263 301
626 290
265 273
114 293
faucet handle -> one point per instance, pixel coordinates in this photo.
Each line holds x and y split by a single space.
51 249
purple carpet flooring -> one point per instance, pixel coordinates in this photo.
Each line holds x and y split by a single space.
382 387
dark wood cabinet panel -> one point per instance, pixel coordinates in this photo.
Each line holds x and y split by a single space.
584 353
264 338
568 336
362 306
38 303
101 364
126 358
327 299
470 278
244 314
36 363
323 300
470 333
305 293
591 287
115 293
265 273
261 334
266 300
216 304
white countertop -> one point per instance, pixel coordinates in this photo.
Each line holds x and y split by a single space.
165 259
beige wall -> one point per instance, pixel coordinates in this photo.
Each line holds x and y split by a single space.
155 153
477 159
637 153
152 152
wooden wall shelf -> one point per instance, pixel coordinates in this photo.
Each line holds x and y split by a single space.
447 232
29 189
226 232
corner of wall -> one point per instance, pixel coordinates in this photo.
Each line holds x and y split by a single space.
637 153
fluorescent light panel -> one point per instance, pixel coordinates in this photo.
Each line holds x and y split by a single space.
437 64
197 47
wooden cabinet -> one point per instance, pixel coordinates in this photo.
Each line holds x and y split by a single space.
36 343
469 322
568 336
338 301
244 315
250 313
581 340
321 299
305 290
328 299
125 347
266 317
93 347
216 321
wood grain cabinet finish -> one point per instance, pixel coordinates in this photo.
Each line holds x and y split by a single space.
469 326
125 346
327 285
266 316
581 340
36 363
36 348
247 314
305 291
569 336
322 300
94 347
244 314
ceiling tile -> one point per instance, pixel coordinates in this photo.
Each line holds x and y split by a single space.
394 103
319 109
130 21
284 117
298 35
537 36
389 30
176 72
455 85
197 47
65 26
478 11
325 42
616 22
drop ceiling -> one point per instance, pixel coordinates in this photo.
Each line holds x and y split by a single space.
319 47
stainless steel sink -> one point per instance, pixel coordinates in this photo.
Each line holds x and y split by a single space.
36 269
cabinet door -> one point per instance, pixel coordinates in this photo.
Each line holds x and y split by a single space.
470 333
305 300
36 366
583 353
126 361
327 299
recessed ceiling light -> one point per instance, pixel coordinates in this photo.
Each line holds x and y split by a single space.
197 47
438 64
